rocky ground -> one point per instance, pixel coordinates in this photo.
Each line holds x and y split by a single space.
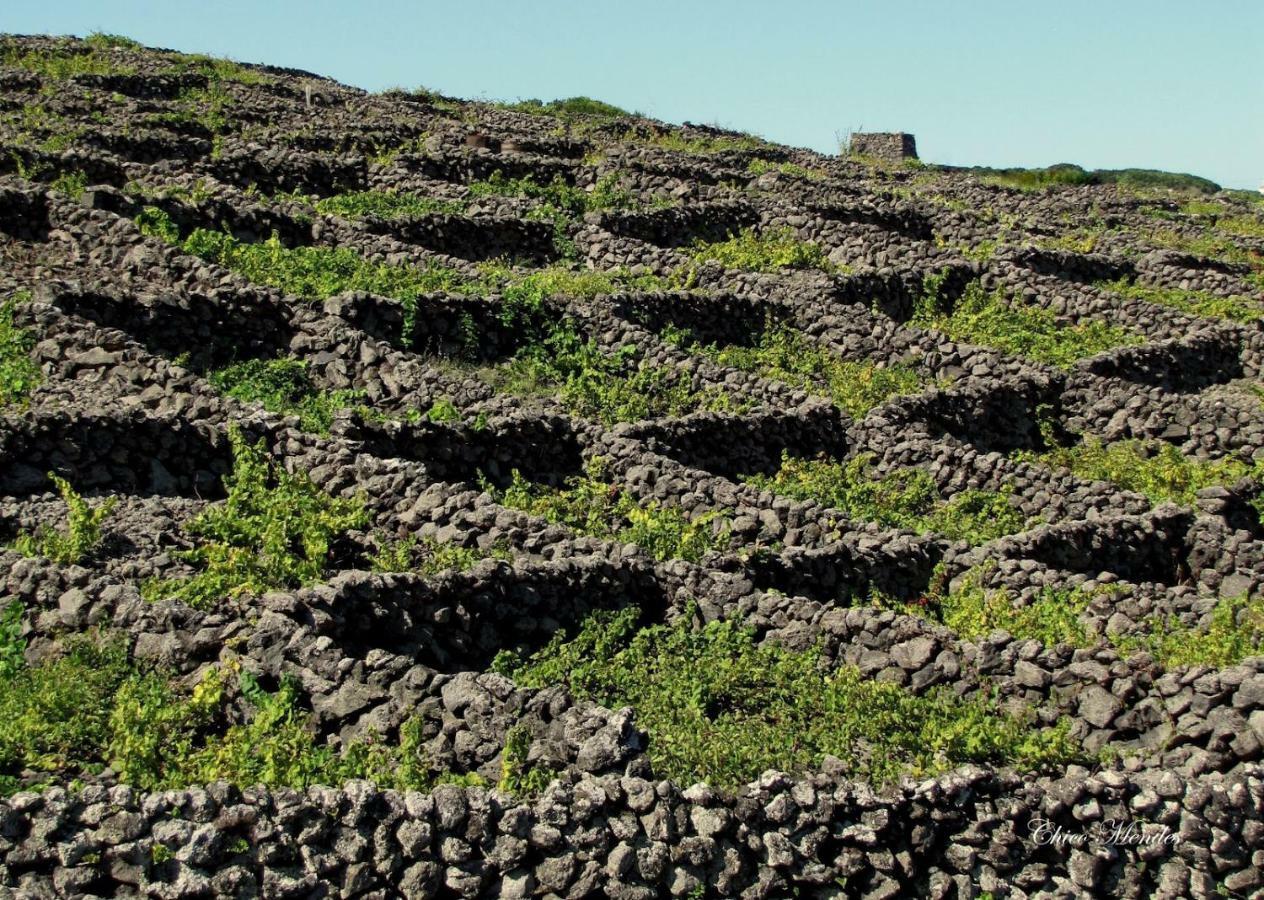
114 155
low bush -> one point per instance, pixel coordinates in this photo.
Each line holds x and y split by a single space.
428 557
763 251
974 612
62 63
722 709
283 386
74 713
1234 632
591 505
784 354
274 531
992 320
19 374
1153 468
385 205
905 498
760 166
1196 303
607 386
82 534
571 108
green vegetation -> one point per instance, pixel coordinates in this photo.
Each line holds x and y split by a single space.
572 200
283 386
1209 245
218 69
560 203
518 777
18 372
81 535
72 184
428 557
991 320
706 144
720 708
100 40
318 272
12 644
763 251
1153 468
1245 226
321 272
608 386
210 107
1196 303
273 532
906 498
571 108
1234 633
65 61
1069 174
785 354
1084 239
90 707
385 205
760 166
591 505
974 612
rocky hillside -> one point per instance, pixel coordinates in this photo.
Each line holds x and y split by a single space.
403 496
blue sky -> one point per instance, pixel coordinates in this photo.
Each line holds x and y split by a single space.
1158 84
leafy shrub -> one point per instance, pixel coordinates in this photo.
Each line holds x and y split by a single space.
81 535
518 777
592 506
722 709
1234 632
1070 174
991 320
1246 226
103 41
609 387
385 205
59 64
974 612
763 251
704 144
72 184
273 531
12 644
1153 468
560 203
428 556
905 498
89 707
784 354
318 272
321 272
1196 303
283 386
18 372
571 108
54 716
1210 245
